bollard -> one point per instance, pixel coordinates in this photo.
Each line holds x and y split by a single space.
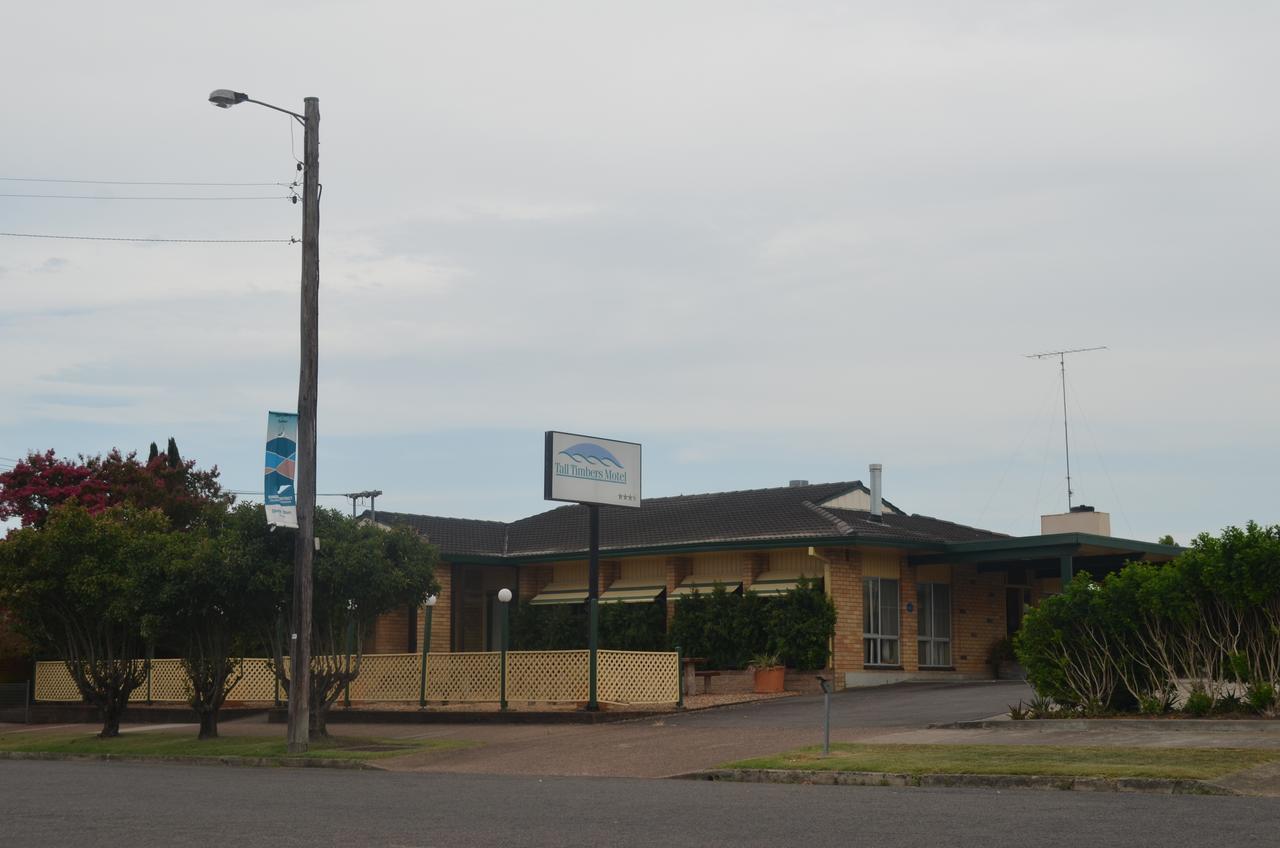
826 722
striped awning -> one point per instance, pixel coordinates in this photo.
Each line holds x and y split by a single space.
641 591
705 585
561 593
773 583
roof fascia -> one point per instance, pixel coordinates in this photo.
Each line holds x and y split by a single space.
1053 544
692 548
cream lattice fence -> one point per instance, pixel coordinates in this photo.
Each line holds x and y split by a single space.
387 677
547 675
624 677
464 677
637 677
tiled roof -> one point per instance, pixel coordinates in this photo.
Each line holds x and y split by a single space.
757 515
467 536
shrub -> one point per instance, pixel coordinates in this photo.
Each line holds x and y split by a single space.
1199 703
550 627
1260 697
801 625
633 627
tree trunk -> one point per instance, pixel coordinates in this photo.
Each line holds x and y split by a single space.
319 728
209 724
112 710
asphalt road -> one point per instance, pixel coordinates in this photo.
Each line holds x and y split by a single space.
140 805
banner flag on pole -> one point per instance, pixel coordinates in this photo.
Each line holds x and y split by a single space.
280 472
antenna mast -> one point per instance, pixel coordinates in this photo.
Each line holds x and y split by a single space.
1062 366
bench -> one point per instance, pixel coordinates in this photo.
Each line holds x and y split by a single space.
706 679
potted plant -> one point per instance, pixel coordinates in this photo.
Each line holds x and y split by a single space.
1004 662
770 673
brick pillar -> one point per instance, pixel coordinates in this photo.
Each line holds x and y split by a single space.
678 569
846 594
609 571
752 567
532 579
908 647
441 615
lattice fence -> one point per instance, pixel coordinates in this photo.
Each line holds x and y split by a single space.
387 677
547 675
257 683
637 677
463 677
625 677
54 683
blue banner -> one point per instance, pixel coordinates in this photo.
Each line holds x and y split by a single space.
280 471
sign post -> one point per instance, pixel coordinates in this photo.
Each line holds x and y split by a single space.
594 472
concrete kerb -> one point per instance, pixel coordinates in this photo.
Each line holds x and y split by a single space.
1150 785
244 762
1110 724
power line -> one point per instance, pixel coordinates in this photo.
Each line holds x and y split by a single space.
290 240
152 197
132 182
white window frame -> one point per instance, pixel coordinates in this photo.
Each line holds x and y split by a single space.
927 637
879 646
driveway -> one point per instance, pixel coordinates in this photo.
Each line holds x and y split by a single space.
690 741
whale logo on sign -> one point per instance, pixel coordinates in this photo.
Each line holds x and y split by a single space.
591 454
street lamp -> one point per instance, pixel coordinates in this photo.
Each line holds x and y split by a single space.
300 652
504 597
426 646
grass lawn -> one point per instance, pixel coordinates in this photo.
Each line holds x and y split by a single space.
185 744
1061 761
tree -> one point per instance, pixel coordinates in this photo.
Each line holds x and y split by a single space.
42 481
79 585
1166 539
221 584
361 571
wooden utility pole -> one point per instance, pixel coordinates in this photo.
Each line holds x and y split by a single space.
304 550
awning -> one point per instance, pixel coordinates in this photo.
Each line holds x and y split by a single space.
705 585
640 591
772 583
561 593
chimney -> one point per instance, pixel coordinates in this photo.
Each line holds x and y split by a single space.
1080 519
795 484
876 506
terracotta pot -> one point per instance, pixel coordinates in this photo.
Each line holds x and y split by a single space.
769 680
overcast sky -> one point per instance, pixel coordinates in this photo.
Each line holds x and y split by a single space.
768 240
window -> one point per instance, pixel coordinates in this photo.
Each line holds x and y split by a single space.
880 621
934 600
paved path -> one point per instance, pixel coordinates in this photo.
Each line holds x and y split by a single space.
146 806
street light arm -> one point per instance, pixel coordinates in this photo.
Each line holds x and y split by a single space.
225 98
295 115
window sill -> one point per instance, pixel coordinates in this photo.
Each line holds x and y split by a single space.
866 667
937 668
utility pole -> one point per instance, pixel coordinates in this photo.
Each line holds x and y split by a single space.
308 379
1062 367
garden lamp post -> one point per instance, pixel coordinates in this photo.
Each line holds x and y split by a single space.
426 647
300 647
504 598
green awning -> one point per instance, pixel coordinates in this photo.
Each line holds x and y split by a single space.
561 593
631 593
705 585
771 583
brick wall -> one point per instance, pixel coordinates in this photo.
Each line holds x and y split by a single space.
846 594
441 616
978 622
908 647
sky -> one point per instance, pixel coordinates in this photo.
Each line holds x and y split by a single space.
768 240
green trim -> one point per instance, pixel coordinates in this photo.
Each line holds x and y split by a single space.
1051 546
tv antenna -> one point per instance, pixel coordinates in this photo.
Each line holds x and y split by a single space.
1062 366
